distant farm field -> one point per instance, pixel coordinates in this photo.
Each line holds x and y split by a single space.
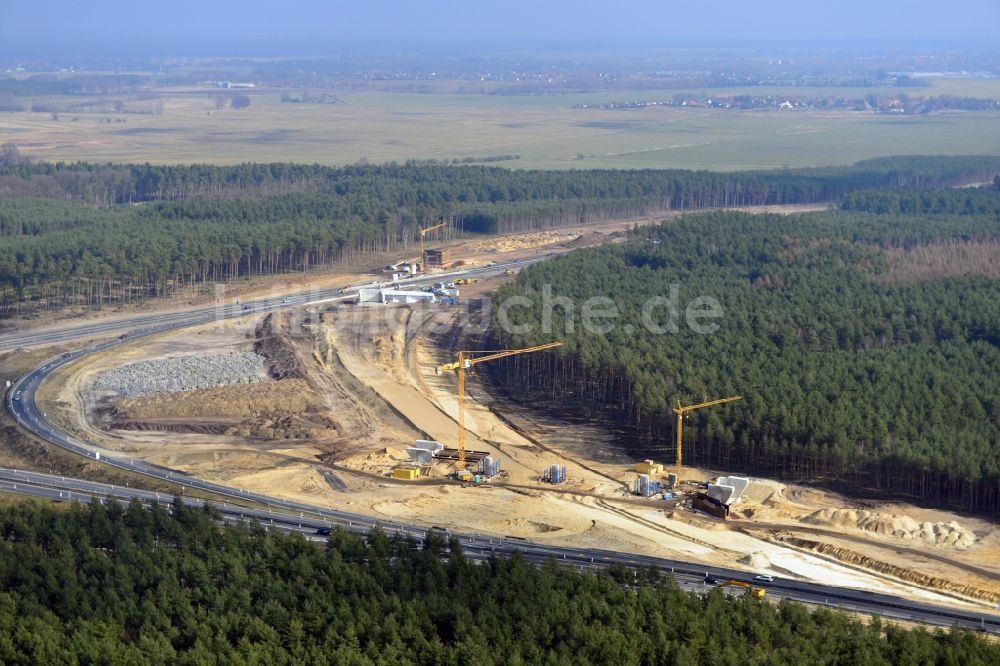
545 131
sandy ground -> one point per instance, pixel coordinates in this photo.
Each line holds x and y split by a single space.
351 387
372 370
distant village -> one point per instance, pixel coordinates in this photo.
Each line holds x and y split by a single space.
896 103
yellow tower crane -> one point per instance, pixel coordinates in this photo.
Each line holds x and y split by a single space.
464 362
680 410
422 232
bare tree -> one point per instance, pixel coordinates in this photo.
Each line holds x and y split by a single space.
11 156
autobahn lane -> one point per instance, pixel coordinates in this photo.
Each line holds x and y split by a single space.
156 321
306 518
481 547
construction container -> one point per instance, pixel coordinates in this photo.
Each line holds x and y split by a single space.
489 467
554 474
645 486
435 258
703 502
671 480
649 467
407 473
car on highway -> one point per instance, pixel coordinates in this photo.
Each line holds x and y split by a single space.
323 531
345 289
284 300
764 578
17 397
711 580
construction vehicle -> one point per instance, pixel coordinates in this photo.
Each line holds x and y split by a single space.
461 281
756 592
462 363
423 232
681 411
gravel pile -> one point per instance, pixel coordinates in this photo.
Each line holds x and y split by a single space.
182 373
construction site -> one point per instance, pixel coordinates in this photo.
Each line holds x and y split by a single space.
378 405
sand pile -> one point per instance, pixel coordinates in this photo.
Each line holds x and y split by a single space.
762 491
517 526
521 242
900 526
758 560
584 240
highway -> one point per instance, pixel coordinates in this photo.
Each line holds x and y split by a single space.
164 321
294 516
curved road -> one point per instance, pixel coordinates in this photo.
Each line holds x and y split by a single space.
309 519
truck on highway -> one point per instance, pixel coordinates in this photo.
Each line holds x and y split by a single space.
756 592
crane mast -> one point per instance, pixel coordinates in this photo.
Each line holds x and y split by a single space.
463 362
681 410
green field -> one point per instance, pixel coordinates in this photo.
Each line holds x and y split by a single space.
544 130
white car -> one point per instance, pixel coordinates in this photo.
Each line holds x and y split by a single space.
764 578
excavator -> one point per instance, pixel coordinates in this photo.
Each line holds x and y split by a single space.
756 592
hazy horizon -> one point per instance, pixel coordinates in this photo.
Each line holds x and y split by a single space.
560 21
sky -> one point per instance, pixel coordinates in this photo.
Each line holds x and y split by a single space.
562 20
